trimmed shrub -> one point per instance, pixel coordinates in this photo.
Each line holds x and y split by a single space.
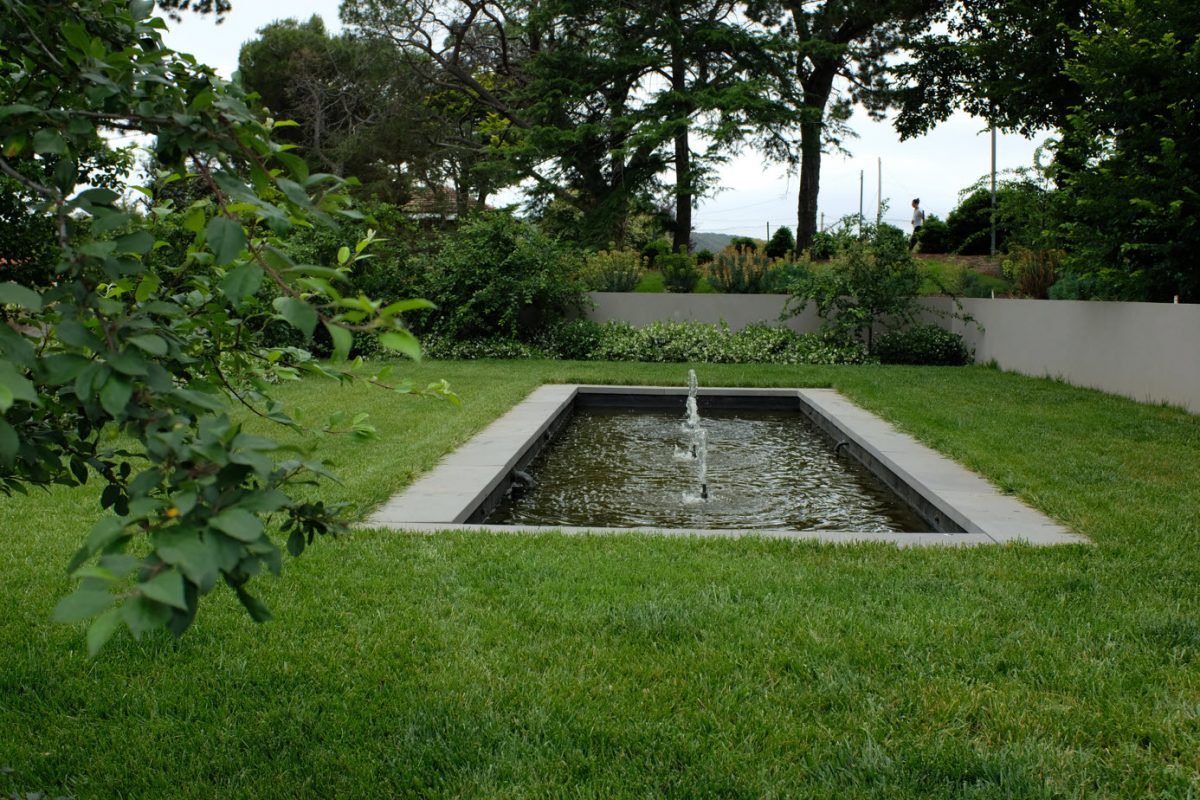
653 250
782 243
927 345
574 340
667 342
679 272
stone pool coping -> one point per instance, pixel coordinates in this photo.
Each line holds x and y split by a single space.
446 497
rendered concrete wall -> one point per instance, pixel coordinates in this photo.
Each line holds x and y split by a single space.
736 310
1147 351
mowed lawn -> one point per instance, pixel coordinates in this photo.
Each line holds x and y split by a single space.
474 665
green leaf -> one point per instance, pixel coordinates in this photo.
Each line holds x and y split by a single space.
106 531
148 286
403 342
128 362
49 142
15 387
165 587
225 238
343 254
18 295
258 612
299 314
343 340
10 443
18 108
101 630
238 523
151 343
115 396
138 243
81 604
144 615
62 368
294 192
196 557
400 306
242 282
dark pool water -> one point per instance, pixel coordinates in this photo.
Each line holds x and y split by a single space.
766 470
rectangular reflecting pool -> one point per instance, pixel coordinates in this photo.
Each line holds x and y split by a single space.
765 470
781 463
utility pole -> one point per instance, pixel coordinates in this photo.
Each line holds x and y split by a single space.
879 196
993 190
861 174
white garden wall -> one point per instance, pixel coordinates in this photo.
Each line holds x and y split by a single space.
1146 351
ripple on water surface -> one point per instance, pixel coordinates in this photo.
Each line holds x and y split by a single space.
766 470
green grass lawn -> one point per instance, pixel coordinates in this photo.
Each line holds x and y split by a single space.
473 665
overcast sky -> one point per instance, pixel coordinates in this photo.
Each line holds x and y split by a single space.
754 194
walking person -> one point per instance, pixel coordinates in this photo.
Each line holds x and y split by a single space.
918 219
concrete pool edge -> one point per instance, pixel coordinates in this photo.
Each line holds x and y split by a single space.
450 495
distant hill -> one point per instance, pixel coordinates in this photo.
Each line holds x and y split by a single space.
716 242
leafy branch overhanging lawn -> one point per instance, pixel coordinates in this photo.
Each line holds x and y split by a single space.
512 666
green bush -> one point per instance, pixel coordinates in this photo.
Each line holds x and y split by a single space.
1070 286
1033 271
824 246
739 271
679 272
574 340
784 277
498 278
654 249
983 286
612 270
782 243
934 236
472 349
876 283
927 345
705 257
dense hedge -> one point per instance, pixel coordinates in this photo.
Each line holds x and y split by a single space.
927 345
584 340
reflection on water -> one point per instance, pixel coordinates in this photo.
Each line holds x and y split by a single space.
766 470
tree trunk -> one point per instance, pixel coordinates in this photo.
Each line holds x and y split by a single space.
817 89
683 156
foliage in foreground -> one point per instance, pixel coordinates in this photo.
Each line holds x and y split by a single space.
120 366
